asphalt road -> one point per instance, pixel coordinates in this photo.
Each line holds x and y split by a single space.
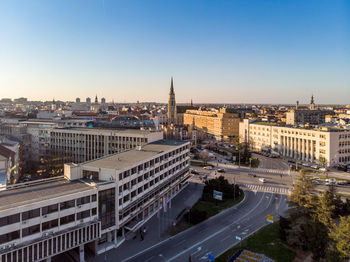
273 180
218 233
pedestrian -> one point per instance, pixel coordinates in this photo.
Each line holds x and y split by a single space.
141 234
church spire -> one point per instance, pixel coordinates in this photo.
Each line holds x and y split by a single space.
312 103
172 87
172 104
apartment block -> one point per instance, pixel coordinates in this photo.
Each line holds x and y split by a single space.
302 117
221 124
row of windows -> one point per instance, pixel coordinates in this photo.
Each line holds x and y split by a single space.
47 225
8 220
344 159
344 143
151 163
152 194
145 176
344 136
344 151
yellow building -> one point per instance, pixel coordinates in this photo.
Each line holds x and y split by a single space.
219 123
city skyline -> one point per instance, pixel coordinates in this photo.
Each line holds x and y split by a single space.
256 52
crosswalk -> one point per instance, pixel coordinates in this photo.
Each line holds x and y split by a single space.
269 189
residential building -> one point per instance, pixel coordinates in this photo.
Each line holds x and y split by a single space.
310 116
223 124
94 207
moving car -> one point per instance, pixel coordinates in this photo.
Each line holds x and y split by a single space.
323 169
262 180
221 170
208 167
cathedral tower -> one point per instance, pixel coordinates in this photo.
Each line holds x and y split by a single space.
171 105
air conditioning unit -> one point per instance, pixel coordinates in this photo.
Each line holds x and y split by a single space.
81 220
46 234
79 206
44 216
24 222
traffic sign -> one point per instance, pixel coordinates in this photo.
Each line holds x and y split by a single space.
217 195
211 257
269 218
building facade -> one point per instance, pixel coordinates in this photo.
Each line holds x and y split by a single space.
94 206
302 117
221 124
329 145
83 144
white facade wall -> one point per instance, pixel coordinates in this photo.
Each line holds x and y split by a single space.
298 143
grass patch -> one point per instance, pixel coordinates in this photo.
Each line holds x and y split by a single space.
210 208
265 241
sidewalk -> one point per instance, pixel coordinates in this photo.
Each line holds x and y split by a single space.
157 228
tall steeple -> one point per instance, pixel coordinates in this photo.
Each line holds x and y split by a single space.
172 87
171 105
312 103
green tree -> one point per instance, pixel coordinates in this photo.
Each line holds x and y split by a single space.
204 155
341 236
325 208
322 160
302 194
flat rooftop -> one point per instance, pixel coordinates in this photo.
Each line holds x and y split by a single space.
35 192
97 129
128 158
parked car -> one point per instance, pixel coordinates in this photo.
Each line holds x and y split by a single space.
331 181
317 180
305 164
343 182
221 170
194 171
314 166
208 167
323 169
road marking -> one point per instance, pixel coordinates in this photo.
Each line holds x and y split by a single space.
198 250
222 240
149 259
179 243
216 233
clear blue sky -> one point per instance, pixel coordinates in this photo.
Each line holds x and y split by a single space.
218 51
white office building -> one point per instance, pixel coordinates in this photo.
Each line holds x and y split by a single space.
94 206
306 144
